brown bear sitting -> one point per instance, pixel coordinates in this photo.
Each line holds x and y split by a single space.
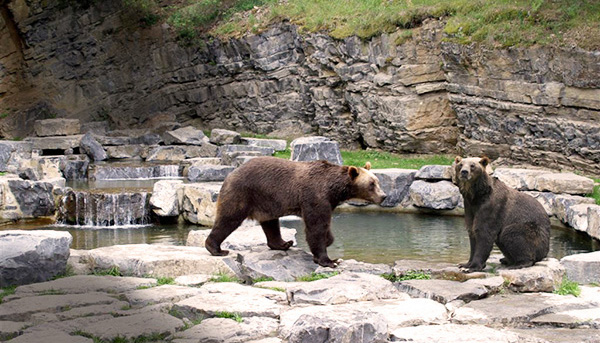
267 188
516 222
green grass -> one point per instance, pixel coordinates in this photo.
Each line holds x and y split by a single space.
316 276
112 271
596 193
6 291
235 316
568 287
165 281
224 278
410 275
262 279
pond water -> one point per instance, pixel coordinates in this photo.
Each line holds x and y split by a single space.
368 237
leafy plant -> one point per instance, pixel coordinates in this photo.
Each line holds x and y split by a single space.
221 277
409 275
165 281
316 276
112 271
568 287
235 316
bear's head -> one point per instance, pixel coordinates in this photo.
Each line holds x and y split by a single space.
365 185
469 169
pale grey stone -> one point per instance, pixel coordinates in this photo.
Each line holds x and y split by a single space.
562 202
208 173
442 195
564 335
186 135
22 309
276 144
13 154
564 183
583 268
229 330
128 171
572 318
544 276
50 335
342 288
594 221
55 143
277 264
519 179
74 167
443 291
160 260
81 284
434 172
577 216
231 297
192 279
316 148
11 329
93 310
131 327
395 183
244 238
57 127
222 137
92 148
167 195
181 152
127 151
28 256
452 333
199 204
355 266
160 294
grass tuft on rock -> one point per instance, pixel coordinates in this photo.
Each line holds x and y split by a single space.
112 271
235 316
316 276
221 277
567 287
410 275
6 291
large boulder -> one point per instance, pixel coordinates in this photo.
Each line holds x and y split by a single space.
74 167
25 199
544 276
14 155
519 179
583 268
442 195
564 183
199 203
277 264
594 221
222 137
166 198
207 173
577 216
434 173
563 202
57 127
316 148
395 183
32 256
181 152
186 135
90 146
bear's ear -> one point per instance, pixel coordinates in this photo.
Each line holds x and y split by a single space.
368 166
353 172
484 161
457 159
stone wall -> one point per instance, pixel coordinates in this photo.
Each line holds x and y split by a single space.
97 63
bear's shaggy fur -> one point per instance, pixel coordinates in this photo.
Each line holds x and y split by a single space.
267 188
516 222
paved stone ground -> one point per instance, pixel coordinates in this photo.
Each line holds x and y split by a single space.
348 307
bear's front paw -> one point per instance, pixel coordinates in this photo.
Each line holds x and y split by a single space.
464 265
472 269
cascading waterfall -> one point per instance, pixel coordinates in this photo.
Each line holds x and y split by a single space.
128 172
104 209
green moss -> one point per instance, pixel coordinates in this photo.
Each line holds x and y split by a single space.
235 316
568 287
112 271
165 281
224 278
316 276
6 291
410 275
596 193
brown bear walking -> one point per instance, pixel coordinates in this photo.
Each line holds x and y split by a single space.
267 188
516 222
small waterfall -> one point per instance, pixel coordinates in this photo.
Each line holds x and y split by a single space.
104 209
129 172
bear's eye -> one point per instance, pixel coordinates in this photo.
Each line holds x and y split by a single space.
472 167
372 184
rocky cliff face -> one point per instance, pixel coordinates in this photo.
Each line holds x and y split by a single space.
533 105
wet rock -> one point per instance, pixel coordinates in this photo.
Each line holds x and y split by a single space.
92 148
200 202
74 167
277 264
511 309
57 127
355 266
208 173
81 284
188 135
452 333
126 171
181 152
276 144
22 309
134 326
316 148
443 291
434 173
519 179
342 288
332 324
229 330
583 268
562 202
564 183
395 183
544 276
594 221
167 195
231 297
160 260
50 335
222 137
28 199
161 294
442 195
244 238
28 256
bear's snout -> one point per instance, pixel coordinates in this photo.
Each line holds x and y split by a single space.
464 174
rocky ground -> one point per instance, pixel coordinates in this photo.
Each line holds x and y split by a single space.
184 295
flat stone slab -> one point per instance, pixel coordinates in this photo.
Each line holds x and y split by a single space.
563 335
50 335
518 178
161 294
22 309
452 333
277 264
583 268
355 266
55 143
10 329
188 135
86 284
574 318
434 172
93 310
131 327
208 173
229 330
276 144
577 216
160 260
231 297
564 183
342 288
544 276
510 309
221 136
244 238
443 291
441 195
192 279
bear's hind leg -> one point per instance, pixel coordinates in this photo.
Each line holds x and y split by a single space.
273 233
223 227
516 244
